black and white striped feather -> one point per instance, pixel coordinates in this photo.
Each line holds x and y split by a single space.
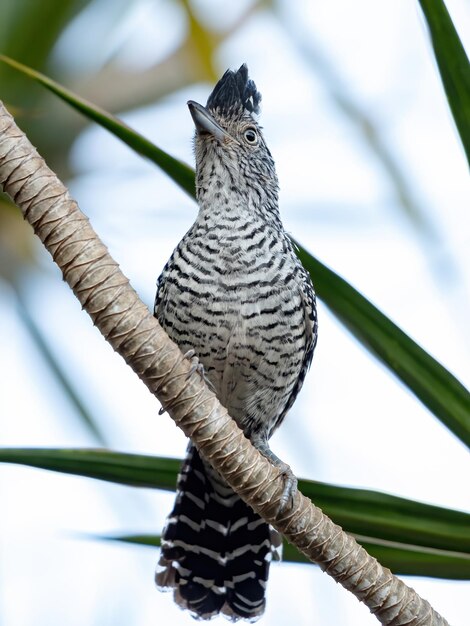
215 550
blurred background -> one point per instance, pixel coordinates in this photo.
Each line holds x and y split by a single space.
373 181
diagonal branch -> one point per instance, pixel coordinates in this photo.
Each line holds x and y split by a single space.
127 324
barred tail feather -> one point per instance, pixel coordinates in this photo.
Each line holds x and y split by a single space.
216 550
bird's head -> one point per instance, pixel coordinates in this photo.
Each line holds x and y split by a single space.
230 148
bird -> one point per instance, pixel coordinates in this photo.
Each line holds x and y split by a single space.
235 297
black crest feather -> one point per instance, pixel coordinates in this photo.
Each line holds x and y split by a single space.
234 91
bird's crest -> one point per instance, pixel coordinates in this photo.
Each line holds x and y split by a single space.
235 91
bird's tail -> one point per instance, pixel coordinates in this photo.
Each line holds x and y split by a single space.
216 550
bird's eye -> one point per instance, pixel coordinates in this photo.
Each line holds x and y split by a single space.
251 136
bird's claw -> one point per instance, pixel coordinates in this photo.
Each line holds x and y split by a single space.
197 366
290 485
290 480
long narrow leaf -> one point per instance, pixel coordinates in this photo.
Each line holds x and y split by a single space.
403 560
178 171
453 64
367 513
435 386
441 392
134 470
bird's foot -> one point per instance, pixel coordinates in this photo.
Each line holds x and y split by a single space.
197 366
290 480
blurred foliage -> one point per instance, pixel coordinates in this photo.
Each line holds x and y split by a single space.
28 32
17 246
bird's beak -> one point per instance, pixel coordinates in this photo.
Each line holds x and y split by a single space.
205 123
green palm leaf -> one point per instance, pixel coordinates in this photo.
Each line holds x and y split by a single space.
402 559
453 65
415 537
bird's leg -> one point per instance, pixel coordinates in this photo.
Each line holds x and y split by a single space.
290 480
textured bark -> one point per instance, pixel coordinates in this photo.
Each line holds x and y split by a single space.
127 324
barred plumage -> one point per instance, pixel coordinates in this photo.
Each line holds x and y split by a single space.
234 292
